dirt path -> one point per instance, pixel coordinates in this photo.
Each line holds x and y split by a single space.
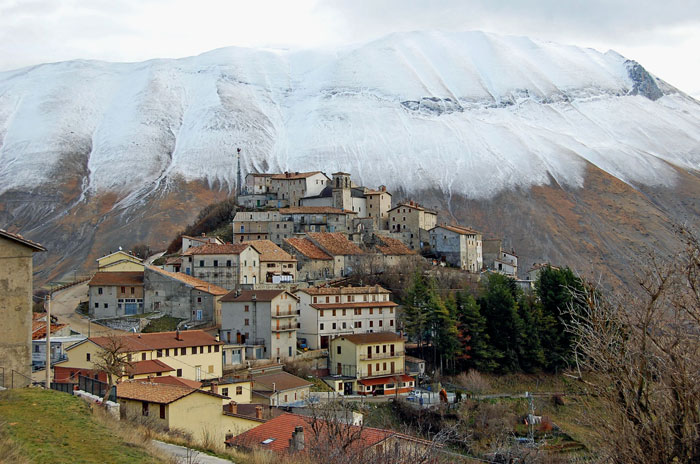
63 307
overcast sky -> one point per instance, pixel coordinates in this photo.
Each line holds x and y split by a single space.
663 35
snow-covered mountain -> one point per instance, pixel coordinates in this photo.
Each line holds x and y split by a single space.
471 113
89 146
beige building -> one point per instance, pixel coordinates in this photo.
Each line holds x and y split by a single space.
189 242
278 388
16 275
190 354
378 206
264 321
224 265
458 246
196 412
291 187
412 222
119 261
326 312
374 360
116 293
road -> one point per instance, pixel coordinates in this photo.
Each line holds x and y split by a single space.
189 456
63 308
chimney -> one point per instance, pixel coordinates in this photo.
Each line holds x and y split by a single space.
177 335
218 338
215 388
232 407
296 443
258 412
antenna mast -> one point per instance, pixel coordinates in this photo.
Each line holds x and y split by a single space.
238 174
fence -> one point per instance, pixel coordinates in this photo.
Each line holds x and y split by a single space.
10 378
63 387
96 387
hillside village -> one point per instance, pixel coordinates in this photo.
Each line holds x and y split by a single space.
279 293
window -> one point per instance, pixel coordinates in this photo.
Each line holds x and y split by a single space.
246 322
328 299
315 300
167 352
99 290
162 411
334 313
198 373
143 356
334 326
201 263
194 350
106 305
358 324
123 289
343 312
97 305
384 366
358 312
144 408
321 313
216 263
239 390
391 323
345 325
337 299
383 348
339 349
246 309
209 348
224 391
201 350
199 299
371 323
216 348
87 357
179 373
381 322
159 353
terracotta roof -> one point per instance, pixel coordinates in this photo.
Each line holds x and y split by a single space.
344 290
295 175
160 340
39 329
156 392
247 295
262 383
387 379
278 431
393 246
307 248
216 249
314 210
174 260
335 243
150 366
193 282
170 380
269 251
24 241
457 229
106 279
356 304
375 337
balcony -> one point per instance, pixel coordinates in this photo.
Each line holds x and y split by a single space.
366 357
284 327
363 374
284 313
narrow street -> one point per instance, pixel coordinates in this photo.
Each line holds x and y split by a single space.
63 308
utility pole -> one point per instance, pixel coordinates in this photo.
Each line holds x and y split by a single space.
239 187
48 341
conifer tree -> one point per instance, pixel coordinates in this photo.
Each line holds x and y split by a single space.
476 350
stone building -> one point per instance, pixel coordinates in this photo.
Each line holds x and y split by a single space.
411 222
16 274
182 296
346 254
224 265
318 219
499 260
291 187
276 265
458 246
312 262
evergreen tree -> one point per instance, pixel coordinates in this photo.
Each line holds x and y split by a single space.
532 355
557 290
476 350
444 322
504 325
415 308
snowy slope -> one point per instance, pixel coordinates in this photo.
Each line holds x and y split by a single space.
472 113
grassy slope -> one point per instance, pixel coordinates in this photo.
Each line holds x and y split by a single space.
52 427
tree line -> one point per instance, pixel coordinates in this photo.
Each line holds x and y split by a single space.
498 327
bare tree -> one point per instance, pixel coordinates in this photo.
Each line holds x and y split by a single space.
112 360
640 355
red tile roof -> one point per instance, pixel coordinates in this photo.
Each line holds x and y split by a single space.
356 304
247 295
458 229
279 431
216 249
174 260
160 340
344 290
386 379
24 241
39 329
335 243
263 383
375 337
412 205
106 279
170 380
307 248
295 175
193 282
150 366
269 251
156 392
314 210
393 246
